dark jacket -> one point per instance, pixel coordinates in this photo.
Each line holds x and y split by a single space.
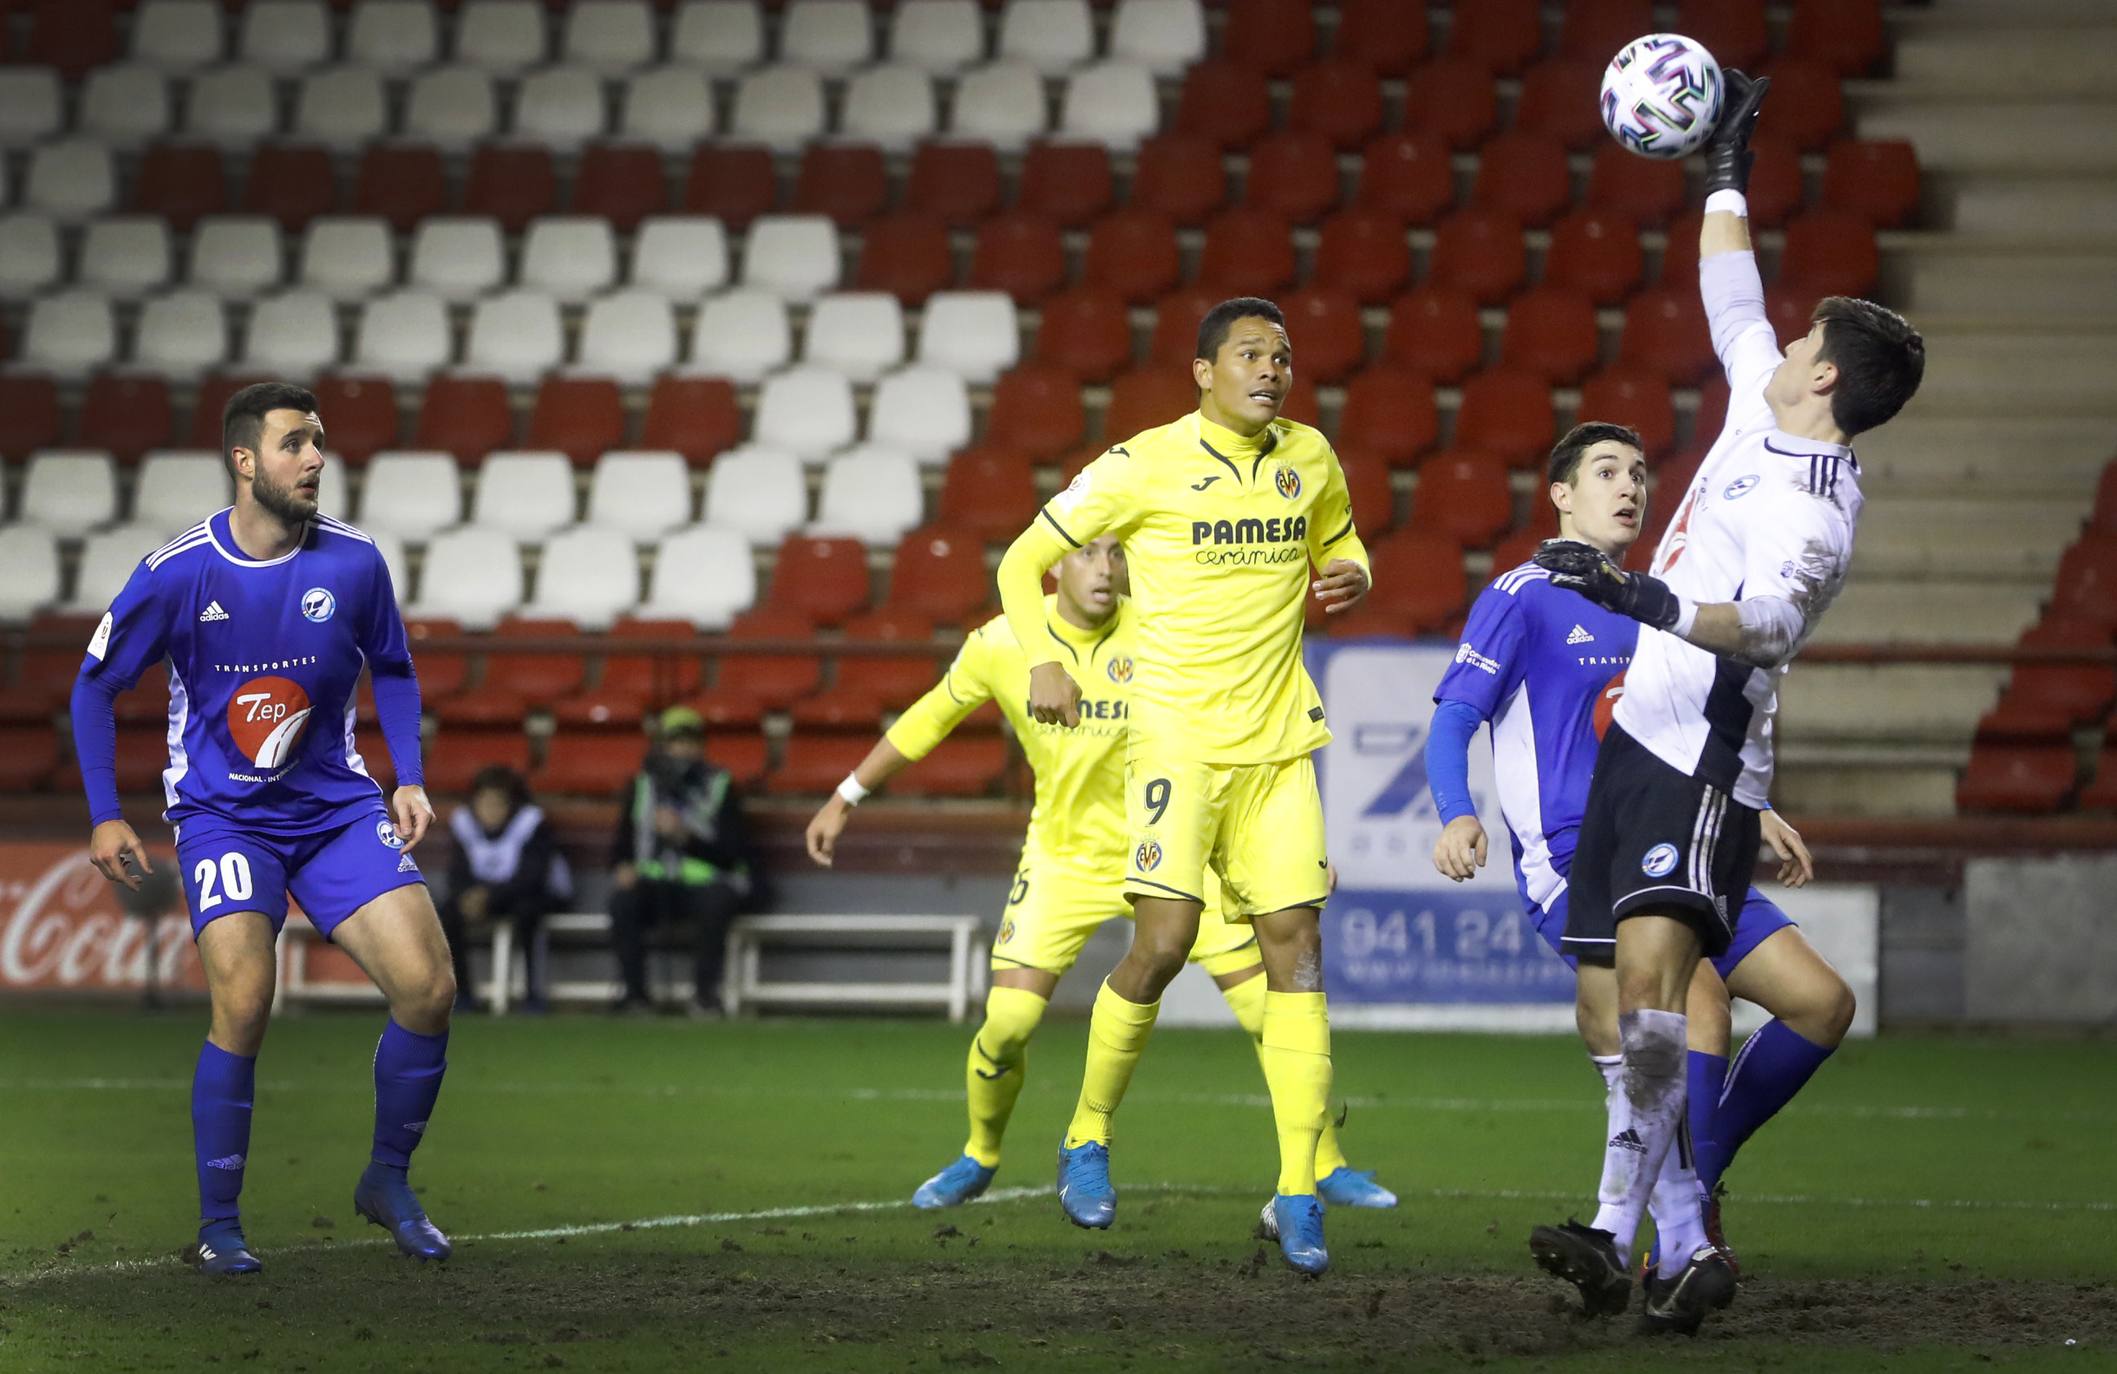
520 867
716 846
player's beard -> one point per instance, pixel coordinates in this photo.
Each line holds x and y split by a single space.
286 503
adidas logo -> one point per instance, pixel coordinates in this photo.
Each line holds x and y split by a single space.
213 611
1580 635
416 1127
229 1162
405 864
1628 1139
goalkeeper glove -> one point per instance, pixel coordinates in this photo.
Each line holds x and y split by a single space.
1588 570
1727 154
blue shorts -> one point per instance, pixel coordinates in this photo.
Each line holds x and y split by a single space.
1759 920
332 874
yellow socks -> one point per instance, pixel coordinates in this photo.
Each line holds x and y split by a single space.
1295 1048
1246 1000
1117 1034
999 1060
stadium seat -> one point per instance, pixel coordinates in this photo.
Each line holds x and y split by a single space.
526 494
720 37
1845 35
1500 36
1594 30
610 36
1408 176
2021 778
1419 577
29 575
1272 37
1479 252
70 334
501 36
681 257
891 107
1180 176
1111 103
2101 794
1365 253
181 182
460 753
1001 104
283 35
2071 694
587 574
1597 254
471 575
845 183
177 488
1451 98
1135 254
702 574
963 765
937 36
742 334
349 257
1164 36
1085 331
402 184
31 106
1066 183
561 108
1224 103
733 184
1807 108
989 494
2086 586
667 108
124 415
68 493
516 335
124 256
231 106
1551 332
581 417
1560 98
806 410
849 706
645 678
1387 36
870 493
1020 254
468 417
924 411
1331 341
1053 36
572 257
628 335
412 493
124 106
1776 190
1732 30
107 560
1292 174
394 37
858 333
360 415
1646 191
451 108
1147 397
1524 174
342 108
1338 99
829 36
695 416
1633 396
1679 256
1876 179
456 257
29 414
1036 410
897 680
641 493
235 256
1389 413
954 184
1507 413
1247 252
757 492
793 256
1174 341
1463 495
590 763
814 762
906 255
1829 253
213 393
972 333
177 35
825 579
513 184
72 179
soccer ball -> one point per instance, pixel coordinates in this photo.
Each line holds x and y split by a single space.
1661 95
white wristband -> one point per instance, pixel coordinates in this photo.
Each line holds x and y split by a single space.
1730 202
1686 617
851 792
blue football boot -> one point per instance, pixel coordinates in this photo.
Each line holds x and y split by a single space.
221 1249
955 1185
1084 1185
385 1198
1346 1186
1299 1221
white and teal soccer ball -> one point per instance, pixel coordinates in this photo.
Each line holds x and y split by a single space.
1661 95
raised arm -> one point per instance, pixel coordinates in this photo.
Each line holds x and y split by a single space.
1728 282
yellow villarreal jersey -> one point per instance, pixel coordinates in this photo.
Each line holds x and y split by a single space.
1079 811
1219 534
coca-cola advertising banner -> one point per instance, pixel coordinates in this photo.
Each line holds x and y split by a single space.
65 928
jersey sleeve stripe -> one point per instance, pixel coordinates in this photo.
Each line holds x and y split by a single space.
169 551
1061 529
1341 533
341 527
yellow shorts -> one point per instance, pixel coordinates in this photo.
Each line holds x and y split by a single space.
1257 827
1054 907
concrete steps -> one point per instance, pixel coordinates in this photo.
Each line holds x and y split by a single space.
2019 372
2014 130
1995 534
2022 454
1968 608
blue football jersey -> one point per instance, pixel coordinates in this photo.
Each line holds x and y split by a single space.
1538 662
264 659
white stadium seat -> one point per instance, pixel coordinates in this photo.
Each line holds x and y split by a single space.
471 575
680 256
69 492
72 179
780 107
610 36
125 106
500 35
831 36
588 575
923 411
177 488
403 335
457 257
807 410
718 37
29 255
29 572
451 108
396 37
741 335
859 333
343 108
892 107
571 256
561 108
333 489
107 561
871 494
392 550
939 36
279 35
759 492
232 106
1001 104
1053 36
295 332
125 255
703 574
1111 103
177 35
348 257
629 335
645 494
181 335
669 107
516 335
974 333
70 334
1164 36
237 256
410 493
30 105
526 494
794 256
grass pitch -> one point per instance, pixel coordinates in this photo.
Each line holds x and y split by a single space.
661 1195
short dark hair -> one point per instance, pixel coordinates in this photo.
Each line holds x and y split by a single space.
243 418
1213 329
498 777
1880 360
1565 459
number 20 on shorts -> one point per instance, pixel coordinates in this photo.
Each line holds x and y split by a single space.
233 869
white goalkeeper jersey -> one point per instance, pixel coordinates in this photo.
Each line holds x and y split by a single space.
1768 515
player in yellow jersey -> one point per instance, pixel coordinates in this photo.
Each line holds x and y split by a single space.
1222 514
1069 880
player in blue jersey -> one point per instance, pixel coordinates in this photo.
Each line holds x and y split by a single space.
267 612
1543 666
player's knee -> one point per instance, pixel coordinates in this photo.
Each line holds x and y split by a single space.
1011 1018
1654 1049
425 1004
1830 1016
240 1017
1159 955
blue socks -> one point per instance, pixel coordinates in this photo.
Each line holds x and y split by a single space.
1706 1075
408 1069
222 1089
1773 1065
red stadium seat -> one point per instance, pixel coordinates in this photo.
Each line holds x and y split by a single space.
1247 252
1846 35
1775 186
1524 174
181 182
126 414
1551 332
360 415
1464 496
1480 252
29 415
1179 175
1389 412
906 255
1274 37
1830 253
1066 183
1338 99
1665 332
955 183
743 753
581 417
402 182
1516 549
1732 30
1133 253
1712 407
441 673
941 574
1435 330
1644 190
1225 103
589 763
75 36
772 680
1407 175
1508 413
653 677
537 677
1176 319
1636 397
1876 179
1365 253
1387 36
826 579
211 399
816 763
698 417
147 701
28 757
1597 254
2101 794
1147 397
1807 105
1791 310
1036 409
845 706
1595 29
2028 779
1419 576
2072 693
960 766
989 494
1560 98
459 754
729 707
291 182
1374 498
1294 175
513 183
1330 343
1498 35
466 416
845 181
897 680
734 182
2086 586
1086 332
1452 98
622 182
1020 254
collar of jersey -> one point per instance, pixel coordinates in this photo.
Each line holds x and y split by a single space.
1794 446
1226 443
220 524
1072 635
